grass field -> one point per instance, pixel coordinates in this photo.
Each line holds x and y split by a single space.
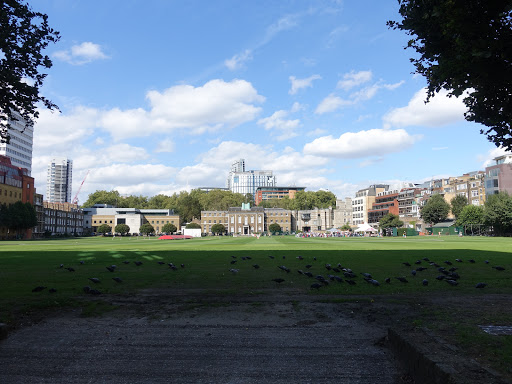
207 263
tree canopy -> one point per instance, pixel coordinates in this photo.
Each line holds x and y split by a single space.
457 205
435 210
146 229
218 229
465 47
104 228
498 213
24 34
169 228
123 229
274 227
390 221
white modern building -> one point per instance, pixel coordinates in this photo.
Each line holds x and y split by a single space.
59 181
244 182
19 149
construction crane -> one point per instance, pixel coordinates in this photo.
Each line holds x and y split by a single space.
75 199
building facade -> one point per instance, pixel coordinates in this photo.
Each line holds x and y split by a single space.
19 149
498 177
246 182
63 219
15 185
385 203
312 220
247 220
96 216
343 213
363 202
59 181
268 193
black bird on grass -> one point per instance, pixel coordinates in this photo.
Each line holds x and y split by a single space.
233 261
402 279
452 282
448 262
426 259
278 280
138 263
95 280
111 269
421 269
472 261
70 269
308 274
413 272
481 285
458 260
256 266
308 266
284 268
316 286
81 262
39 289
52 290
498 268
272 257
338 279
351 282
161 262
182 265
126 262
117 279
388 280
406 264
424 282
440 277
417 262
61 266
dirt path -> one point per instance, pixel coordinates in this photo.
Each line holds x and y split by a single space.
166 340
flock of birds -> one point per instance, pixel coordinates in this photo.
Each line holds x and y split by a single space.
447 273
335 274
111 268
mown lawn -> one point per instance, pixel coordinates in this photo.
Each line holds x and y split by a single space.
207 263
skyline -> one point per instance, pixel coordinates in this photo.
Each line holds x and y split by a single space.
160 97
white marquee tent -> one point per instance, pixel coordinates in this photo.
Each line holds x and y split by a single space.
365 228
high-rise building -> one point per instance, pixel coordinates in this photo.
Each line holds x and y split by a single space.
19 148
244 182
59 181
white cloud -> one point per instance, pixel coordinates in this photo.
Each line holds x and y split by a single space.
332 103
335 34
487 159
278 122
57 132
128 175
354 79
238 60
166 145
82 54
298 84
351 145
440 110
214 106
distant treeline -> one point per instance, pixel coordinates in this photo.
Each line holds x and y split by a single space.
190 204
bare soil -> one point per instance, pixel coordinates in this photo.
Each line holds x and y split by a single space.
266 336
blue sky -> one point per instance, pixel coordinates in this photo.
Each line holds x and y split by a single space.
161 96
